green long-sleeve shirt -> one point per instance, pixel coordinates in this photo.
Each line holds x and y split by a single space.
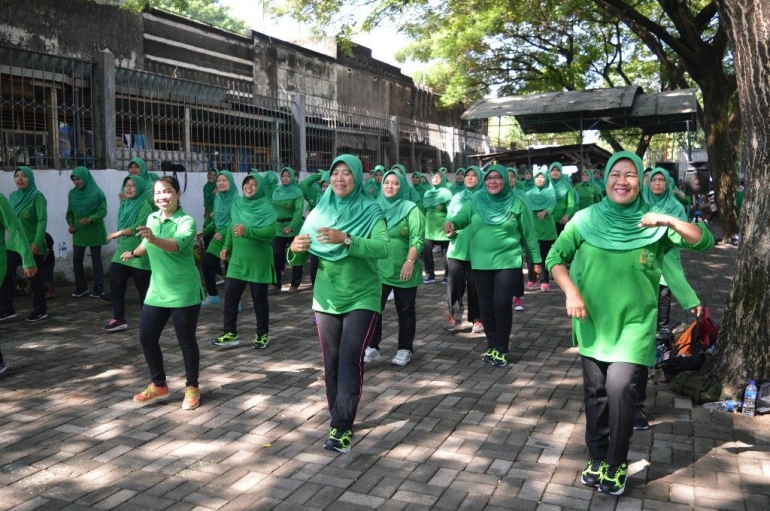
90 235
588 194
34 221
565 206
673 276
498 247
401 237
545 229
17 240
251 255
620 291
435 218
129 243
312 192
289 215
352 283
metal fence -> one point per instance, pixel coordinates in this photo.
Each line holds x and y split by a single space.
46 121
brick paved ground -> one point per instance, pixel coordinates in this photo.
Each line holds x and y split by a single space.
445 432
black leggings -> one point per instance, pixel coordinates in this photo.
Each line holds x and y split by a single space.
6 292
427 257
151 326
545 247
81 284
344 338
119 274
280 245
495 290
404 299
233 291
460 279
211 266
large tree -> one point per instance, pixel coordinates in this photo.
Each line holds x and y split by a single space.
745 336
544 45
207 11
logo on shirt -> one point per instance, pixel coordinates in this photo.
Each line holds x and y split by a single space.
645 257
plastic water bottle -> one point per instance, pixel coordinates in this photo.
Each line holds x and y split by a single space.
750 399
726 406
63 250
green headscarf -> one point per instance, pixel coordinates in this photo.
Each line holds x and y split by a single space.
494 209
372 186
397 207
610 226
599 182
224 201
528 184
271 182
19 199
457 202
129 207
437 194
541 198
666 202
208 191
355 214
85 201
561 186
458 186
289 191
255 211
517 191
149 177
412 194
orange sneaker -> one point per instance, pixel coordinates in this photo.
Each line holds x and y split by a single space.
192 398
152 393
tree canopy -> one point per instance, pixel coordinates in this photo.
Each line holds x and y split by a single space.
207 11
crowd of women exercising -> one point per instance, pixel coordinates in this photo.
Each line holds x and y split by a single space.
607 240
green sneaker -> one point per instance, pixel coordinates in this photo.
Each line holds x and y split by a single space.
227 340
339 442
592 474
613 480
499 359
261 342
489 356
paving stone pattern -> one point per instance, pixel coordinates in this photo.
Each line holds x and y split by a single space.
446 432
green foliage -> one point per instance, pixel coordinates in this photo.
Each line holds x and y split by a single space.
206 11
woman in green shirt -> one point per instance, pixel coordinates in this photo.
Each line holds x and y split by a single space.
175 292
347 232
374 184
500 223
615 250
518 191
86 209
209 194
132 213
22 217
542 200
459 184
137 167
565 196
458 255
288 202
587 191
314 186
434 203
17 243
211 265
400 272
250 254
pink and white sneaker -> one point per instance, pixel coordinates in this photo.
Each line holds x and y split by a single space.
545 288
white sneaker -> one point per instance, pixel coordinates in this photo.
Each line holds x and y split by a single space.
391 296
402 358
371 354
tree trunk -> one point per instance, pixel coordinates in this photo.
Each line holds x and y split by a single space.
745 336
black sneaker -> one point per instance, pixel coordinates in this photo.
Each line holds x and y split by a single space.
499 359
339 441
36 316
107 297
641 422
80 294
7 316
613 479
489 356
116 325
592 474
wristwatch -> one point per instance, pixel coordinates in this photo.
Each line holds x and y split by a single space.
347 240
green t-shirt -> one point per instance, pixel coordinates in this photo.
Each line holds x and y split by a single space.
251 255
175 280
90 235
352 283
401 237
34 220
565 206
289 215
129 243
673 276
545 229
435 218
620 291
498 247
17 240
588 194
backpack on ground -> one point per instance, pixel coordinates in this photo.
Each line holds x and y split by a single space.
701 386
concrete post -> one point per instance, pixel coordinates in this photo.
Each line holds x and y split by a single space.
103 105
393 139
299 133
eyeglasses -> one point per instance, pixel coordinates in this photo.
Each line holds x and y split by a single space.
493 178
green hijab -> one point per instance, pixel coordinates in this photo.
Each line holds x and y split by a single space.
610 226
208 191
599 182
149 177
666 202
85 201
255 211
271 182
458 186
494 209
411 194
355 214
561 186
20 199
541 198
397 207
223 202
528 184
372 186
437 194
129 208
457 202
289 191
